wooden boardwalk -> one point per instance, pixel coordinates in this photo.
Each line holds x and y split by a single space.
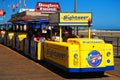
14 66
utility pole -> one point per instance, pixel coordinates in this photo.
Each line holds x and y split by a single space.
75 10
75 6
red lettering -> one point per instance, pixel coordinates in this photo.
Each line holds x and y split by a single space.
47 7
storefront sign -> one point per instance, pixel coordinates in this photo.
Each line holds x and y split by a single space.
47 7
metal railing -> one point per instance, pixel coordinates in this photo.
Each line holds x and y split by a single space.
115 41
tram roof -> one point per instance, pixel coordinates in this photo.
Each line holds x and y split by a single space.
38 21
27 15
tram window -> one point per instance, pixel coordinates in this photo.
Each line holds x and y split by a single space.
25 27
20 27
17 27
14 27
10 27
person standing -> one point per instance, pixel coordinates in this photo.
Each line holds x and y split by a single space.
94 36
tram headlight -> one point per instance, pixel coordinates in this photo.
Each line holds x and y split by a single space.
108 54
75 55
108 61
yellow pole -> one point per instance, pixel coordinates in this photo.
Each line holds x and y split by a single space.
89 32
89 22
60 33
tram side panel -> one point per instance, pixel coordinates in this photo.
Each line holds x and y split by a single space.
36 50
26 46
33 49
5 39
9 38
2 34
62 55
19 41
1 38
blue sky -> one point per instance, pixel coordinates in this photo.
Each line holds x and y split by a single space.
105 12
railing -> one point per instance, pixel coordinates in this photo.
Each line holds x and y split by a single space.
115 41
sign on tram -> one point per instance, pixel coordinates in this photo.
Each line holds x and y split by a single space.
47 7
70 18
75 17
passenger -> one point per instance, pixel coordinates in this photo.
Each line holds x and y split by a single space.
94 36
44 32
39 37
3 31
68 34
56 37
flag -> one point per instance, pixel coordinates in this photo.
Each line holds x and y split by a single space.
25 3
13 7
18 4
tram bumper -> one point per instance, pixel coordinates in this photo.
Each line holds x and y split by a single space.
97 69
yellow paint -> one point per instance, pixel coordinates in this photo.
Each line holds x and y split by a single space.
56 52
60 34
109 48
10 35
40 51
72 61
21 37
